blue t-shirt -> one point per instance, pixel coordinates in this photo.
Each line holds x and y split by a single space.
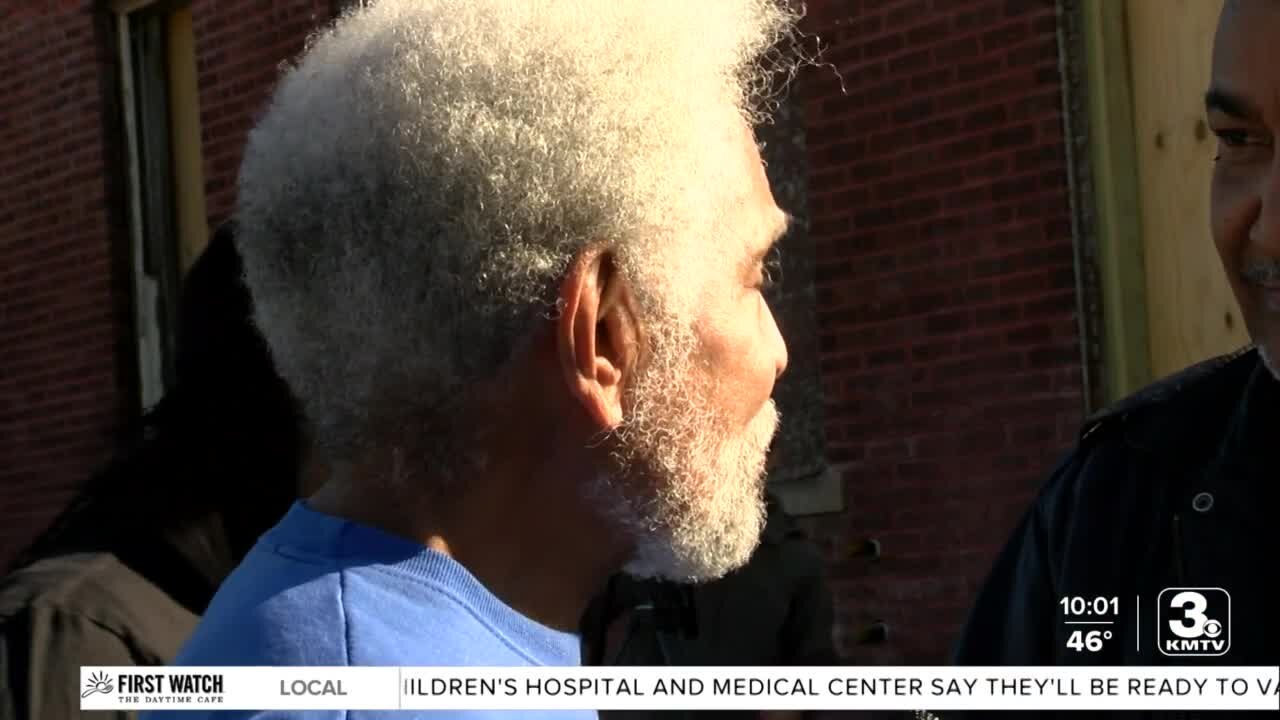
320 590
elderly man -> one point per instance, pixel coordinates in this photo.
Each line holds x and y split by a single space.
508 256
1177 486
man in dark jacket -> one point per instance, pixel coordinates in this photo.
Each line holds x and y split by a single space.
775 610
1175 487
1169 489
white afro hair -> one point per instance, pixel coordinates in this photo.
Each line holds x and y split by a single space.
427 170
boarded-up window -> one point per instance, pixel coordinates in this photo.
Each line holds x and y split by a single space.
167 225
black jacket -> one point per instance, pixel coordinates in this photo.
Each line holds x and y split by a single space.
1173 487
776 610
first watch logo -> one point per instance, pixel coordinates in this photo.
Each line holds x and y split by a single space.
1194 622
97 683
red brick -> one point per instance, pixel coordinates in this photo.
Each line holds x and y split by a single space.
930 33
1016 136
983 15
995 315
906 13
1035 53
933 80
909 63
957 50
1005 36
883 46
955 329
984 118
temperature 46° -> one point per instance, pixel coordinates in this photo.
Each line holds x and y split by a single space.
1088 640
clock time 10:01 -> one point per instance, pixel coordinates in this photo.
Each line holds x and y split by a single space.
1084 607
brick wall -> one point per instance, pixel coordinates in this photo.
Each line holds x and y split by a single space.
239 48
63 385
67 372
949 350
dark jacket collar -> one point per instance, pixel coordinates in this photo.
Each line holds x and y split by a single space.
1191 411
1252 445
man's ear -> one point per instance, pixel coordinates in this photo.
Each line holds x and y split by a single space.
597 334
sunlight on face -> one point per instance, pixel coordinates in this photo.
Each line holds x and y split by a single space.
688 476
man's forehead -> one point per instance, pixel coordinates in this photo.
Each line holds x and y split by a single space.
752 200
1245 73
1232 9
1247 33
773 226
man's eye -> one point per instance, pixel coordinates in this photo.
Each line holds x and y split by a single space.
1239 145
1233 138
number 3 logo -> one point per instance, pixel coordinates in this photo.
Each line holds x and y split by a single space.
1193 605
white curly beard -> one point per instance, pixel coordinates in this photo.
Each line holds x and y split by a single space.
686 486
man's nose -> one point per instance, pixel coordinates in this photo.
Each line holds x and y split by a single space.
780 351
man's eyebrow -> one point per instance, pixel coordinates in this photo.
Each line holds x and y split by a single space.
1229 103
784 227
780 231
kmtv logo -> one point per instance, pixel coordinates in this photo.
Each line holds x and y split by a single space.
1194 622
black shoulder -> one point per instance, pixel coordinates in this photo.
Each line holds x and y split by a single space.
1173 390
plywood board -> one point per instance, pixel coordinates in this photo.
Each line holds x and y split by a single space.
184 127
1191 312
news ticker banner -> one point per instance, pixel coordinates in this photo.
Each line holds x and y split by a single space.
681 688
